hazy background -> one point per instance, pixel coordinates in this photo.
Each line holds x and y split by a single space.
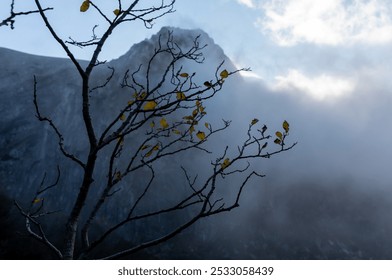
325 67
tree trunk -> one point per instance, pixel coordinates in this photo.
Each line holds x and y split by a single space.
73 221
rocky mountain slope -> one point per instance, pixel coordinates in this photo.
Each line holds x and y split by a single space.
285 216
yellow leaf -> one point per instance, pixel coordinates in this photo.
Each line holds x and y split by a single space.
207 125
184 75
163 123
152 124
254 121
150 105
116 12
277 141
188 118
201 135
130 102
149 153
286 126
224 74
145 147
279 135
156 147
225 163
176 131
191 129
85 5
198 103
122 117
37 200
195 112
180 95
142 96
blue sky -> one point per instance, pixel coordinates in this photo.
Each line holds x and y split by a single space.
332 58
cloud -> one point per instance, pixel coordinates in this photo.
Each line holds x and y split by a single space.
320 87
332 22
253 75
248 3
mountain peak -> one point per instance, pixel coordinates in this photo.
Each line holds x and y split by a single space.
183 38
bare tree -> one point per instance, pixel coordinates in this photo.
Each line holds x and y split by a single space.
162 119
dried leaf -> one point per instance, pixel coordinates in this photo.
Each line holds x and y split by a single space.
225 163
37 200
116 12
85 6
201 135
142 96
286 126
184 75
224 74
208 84
254 121
149 153
150 105
181 96
156 147
190 118
163 123
145 147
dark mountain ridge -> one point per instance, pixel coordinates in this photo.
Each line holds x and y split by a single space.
286 218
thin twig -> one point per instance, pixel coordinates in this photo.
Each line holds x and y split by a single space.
10 21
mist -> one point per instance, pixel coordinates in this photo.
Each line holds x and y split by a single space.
327 198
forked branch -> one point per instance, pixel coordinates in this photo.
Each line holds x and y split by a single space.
10 21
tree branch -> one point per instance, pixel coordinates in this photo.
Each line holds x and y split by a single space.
57 38
55 129
41 236
10 21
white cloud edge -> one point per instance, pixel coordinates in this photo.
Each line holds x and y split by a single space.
290 22
249 3
319 87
